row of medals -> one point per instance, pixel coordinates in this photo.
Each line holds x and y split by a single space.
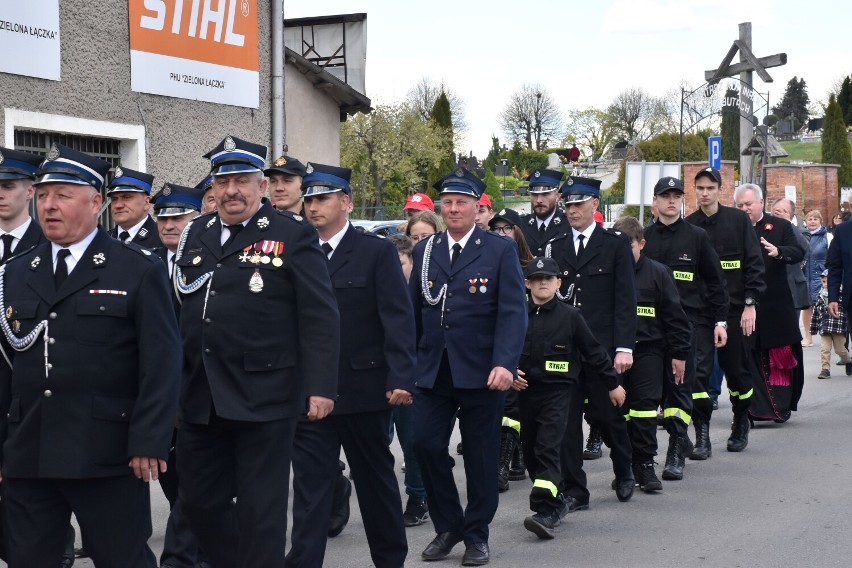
256 281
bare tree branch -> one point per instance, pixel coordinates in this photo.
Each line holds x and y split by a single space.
532 117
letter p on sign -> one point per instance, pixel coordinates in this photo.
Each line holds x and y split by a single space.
714 144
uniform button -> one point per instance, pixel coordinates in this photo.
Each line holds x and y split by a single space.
52 315
450 294
578 275
579 304
565 273
448 310
48 393
212 292
51 341
207 320
49 366
8 415
447 326
451 279
218 265
102 308
579 289
207 350
124 415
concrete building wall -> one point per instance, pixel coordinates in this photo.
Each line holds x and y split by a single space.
161 135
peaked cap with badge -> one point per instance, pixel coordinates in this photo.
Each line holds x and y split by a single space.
667 184
711 173
461 181
320 179
577 189
507 216
286 165
544 181
174 200
15 164
236 156
127 180
66 165
541 266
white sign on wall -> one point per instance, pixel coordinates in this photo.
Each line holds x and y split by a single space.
641 177
29 38
205 50
790 192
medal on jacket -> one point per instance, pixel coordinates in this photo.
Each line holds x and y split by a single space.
482 288
472 288
256 282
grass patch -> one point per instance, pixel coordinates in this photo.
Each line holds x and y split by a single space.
808 152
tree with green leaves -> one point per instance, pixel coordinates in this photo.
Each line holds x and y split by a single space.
593 129
389 151
492 160
664 147
844 99
794 102
730 128
835 145
442 117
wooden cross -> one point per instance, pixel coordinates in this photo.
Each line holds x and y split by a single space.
747 64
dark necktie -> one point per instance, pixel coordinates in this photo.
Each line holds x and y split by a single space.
455 256
123 236
7 247
542 229
580 248
326 248
234 231
61 272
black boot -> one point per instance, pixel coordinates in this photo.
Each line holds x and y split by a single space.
647 478
739 432
593 449
518 470
508 442
702 449
542 524
339 503
679 447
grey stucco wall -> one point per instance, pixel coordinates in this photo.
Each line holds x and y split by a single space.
96 85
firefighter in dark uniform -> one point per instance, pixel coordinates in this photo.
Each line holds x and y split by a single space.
470 316
129 193
18 231
598 277
558 344
261 332
285 184
208 200
376 372
689 253
662 329
86 421
741 259
546 221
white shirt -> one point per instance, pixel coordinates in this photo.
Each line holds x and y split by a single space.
77 250
134 229
540 222
334 241
462 241
587 234
17 233
226 232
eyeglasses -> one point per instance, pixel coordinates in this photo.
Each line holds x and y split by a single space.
505 229
420 237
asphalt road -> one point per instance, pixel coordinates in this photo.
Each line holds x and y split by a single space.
785 501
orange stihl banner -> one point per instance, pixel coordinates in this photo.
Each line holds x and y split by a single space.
196 49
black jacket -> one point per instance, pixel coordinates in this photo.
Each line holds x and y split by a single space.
257 337
558 338
687 250
661 319
557 227
739 252
147 237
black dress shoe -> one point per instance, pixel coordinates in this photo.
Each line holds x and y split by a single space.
476 554
441 546
624 488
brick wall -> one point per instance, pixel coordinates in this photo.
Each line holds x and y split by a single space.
690 203
816 187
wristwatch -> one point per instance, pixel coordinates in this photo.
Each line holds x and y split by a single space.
749 301
722 324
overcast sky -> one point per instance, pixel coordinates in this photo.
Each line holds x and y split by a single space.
485 50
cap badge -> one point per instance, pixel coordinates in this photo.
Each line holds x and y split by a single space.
263 222
118 172
671 183
99 259
280 161
167 190
708 170
502 212
539 264
53 153
569 181
537 173
34 264
557 221
416 199
309 169
1 157
230 145
460 172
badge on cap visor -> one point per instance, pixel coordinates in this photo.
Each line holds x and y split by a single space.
671 183
167 190
1 157
119 172
569 181
309 169
230 145
539 264
537 173
53 153
460 172
280 162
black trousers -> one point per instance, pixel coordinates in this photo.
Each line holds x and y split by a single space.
249 460
479 413
180 549
114 513
544 415
699 376
737 360
644 383
316 448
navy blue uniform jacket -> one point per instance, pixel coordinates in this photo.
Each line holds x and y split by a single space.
377 350
480 330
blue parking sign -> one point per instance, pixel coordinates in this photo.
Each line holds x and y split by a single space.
714 147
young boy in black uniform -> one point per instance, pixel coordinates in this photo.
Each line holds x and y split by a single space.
557 338
662 333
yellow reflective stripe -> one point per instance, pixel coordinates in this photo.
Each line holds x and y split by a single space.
730 264
513 424
556 366
585 401
677 413
642 413
736 394
646 312
697 395
544 484
681 275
